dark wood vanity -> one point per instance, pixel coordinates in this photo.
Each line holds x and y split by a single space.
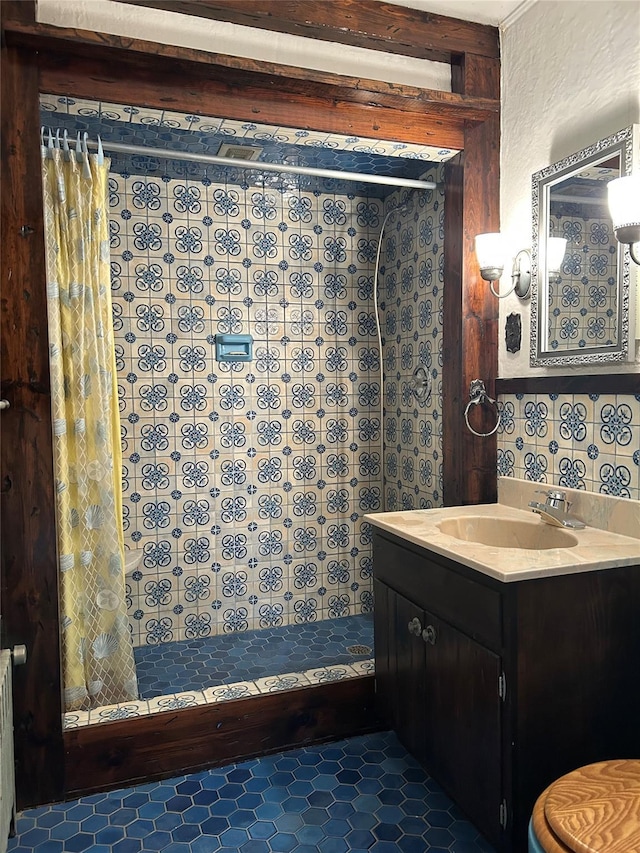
500 688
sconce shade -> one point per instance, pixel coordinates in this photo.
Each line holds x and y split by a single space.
624 206
490 251
556 248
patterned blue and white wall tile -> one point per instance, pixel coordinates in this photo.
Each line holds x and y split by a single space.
245 484
581 441
411 297
582 301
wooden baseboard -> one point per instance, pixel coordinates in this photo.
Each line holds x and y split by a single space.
117 754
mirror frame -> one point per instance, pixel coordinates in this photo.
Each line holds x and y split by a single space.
621 143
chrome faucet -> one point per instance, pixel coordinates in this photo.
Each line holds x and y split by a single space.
556 510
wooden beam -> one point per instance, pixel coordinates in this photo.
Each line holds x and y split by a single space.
358 23
28 568
85 43
471 311
155 746
596 383
244 96
306 110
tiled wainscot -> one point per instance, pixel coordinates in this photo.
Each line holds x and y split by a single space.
580 441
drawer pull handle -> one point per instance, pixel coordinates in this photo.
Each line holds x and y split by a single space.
429 635
415 627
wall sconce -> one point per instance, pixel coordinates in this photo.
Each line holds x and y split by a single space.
491 254
624 206
490 251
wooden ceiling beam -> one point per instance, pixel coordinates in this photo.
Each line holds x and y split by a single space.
411 99
358 23
90 65
163 88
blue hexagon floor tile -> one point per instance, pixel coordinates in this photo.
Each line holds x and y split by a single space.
229 658
356 795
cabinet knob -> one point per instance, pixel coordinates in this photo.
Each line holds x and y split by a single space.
429 635
415 627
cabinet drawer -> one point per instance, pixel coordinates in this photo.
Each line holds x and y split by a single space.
471 606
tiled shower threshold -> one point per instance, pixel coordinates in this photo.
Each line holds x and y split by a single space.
220 669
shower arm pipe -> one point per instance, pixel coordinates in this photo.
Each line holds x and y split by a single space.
282 168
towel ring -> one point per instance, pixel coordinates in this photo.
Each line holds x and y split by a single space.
478 394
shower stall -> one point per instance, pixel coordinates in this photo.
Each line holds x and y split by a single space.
245 481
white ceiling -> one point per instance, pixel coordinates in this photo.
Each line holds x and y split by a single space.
492 12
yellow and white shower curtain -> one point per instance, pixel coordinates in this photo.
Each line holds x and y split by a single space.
98 663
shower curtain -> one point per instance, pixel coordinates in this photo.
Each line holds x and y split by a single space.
98 663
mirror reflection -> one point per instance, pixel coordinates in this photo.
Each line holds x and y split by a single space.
580 294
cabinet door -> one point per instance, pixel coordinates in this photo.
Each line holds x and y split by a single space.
462 740
384 644
409 663
400 666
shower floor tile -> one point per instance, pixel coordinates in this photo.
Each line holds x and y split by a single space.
356 795
186 665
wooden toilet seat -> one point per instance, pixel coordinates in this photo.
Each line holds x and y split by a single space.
594 809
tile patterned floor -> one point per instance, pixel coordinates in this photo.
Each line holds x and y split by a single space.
357 795
169 668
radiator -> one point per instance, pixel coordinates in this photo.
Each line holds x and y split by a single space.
7 778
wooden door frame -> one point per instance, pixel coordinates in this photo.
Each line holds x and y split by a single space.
38 57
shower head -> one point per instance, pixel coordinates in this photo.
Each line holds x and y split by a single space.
400 208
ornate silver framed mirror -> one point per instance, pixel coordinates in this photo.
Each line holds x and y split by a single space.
581 305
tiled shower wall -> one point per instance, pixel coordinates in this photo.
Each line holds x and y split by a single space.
245 484
411 299
581 441
583 303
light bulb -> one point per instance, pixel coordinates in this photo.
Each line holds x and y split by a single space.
624 206
556 248
624 202
490 251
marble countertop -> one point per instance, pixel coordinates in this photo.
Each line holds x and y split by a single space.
596 548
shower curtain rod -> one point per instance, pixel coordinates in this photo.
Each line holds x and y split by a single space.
122 148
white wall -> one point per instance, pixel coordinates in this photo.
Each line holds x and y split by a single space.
570 76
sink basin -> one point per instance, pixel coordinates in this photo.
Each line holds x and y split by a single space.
507 533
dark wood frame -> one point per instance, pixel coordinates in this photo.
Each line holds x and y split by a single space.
597 383
38 57
359 23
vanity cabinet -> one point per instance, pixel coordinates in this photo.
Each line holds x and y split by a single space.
444 703
499 688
